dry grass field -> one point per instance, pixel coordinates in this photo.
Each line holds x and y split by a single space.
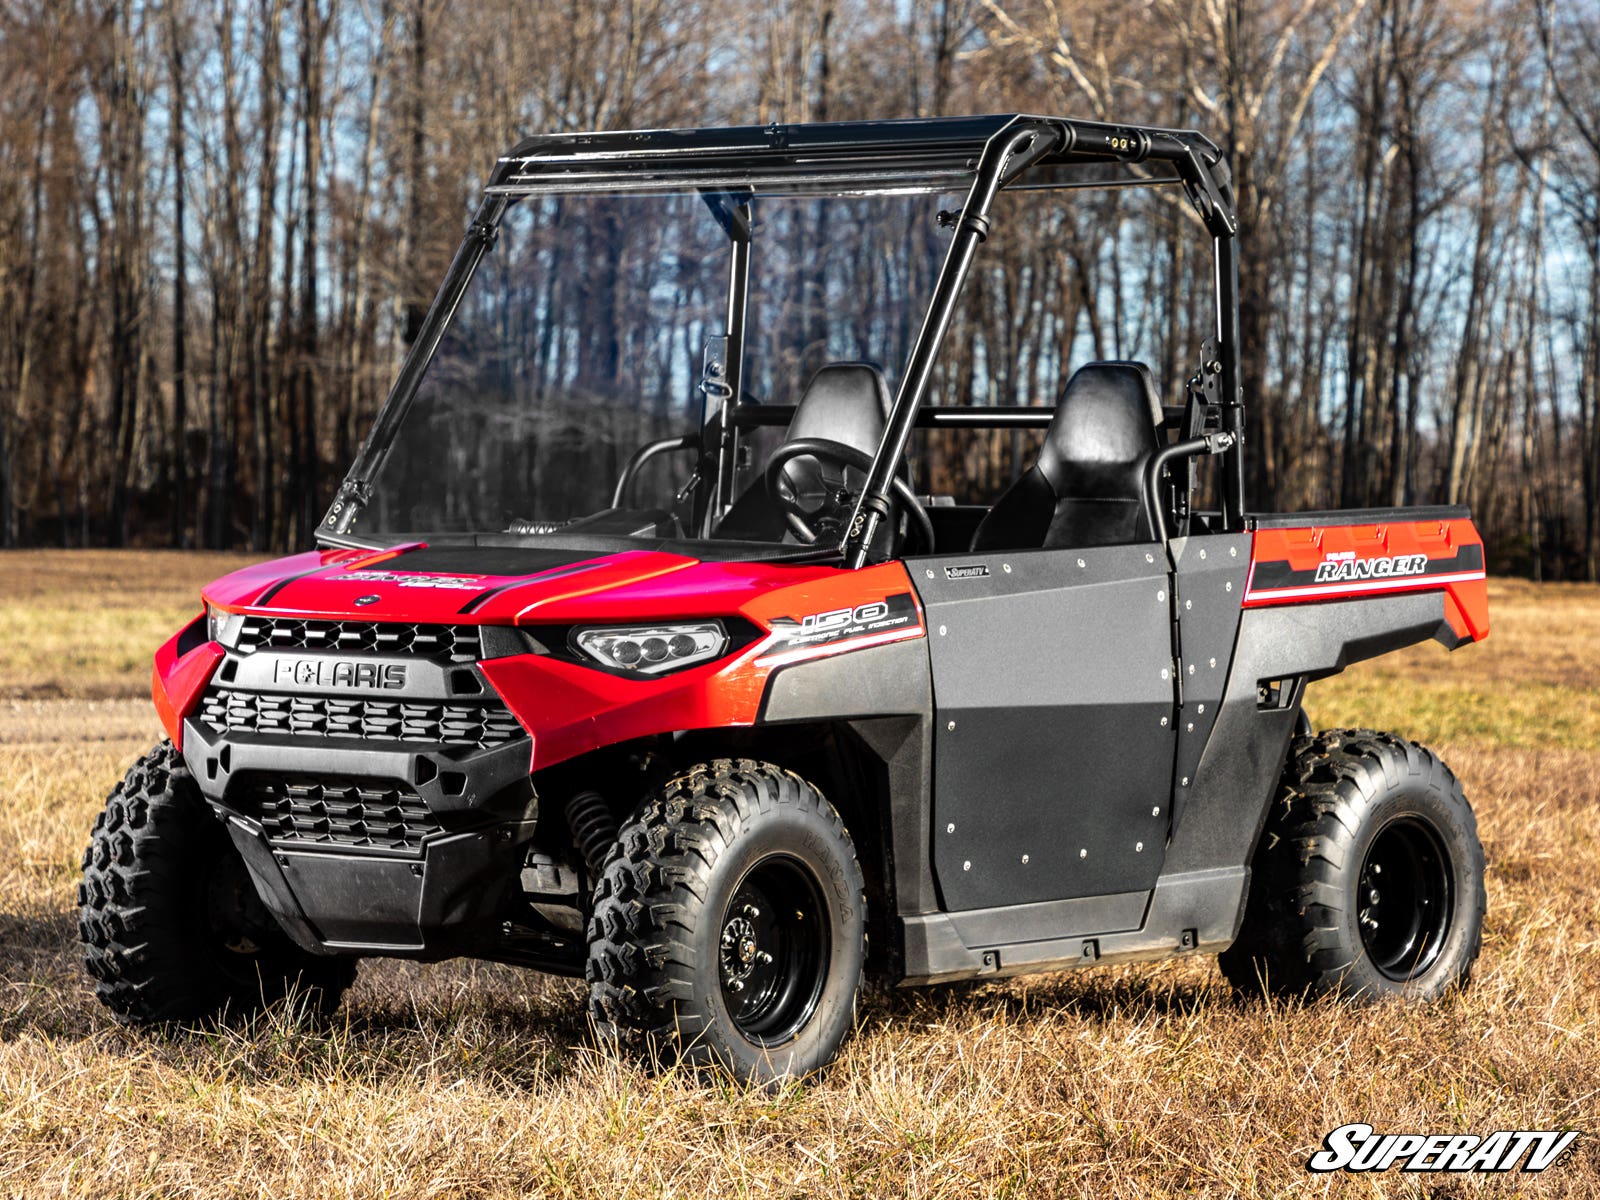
467 1080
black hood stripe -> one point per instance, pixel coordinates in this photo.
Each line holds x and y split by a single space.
275 588
478 600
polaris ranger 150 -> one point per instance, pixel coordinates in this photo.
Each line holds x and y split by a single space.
650 641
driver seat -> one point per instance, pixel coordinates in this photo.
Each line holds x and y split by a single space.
1086 488
846 402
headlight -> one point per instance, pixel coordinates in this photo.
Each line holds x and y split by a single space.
222 626
652 649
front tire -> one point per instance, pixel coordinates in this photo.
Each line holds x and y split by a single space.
171 925
729 925
1368 880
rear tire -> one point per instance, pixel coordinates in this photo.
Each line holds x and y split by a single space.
171 925
729 925
1368 880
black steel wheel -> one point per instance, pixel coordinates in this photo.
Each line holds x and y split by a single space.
729 925
172 927
1403 898
774 950
1368 879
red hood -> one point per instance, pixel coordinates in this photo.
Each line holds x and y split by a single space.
498 586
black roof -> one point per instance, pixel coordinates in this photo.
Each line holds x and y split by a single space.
876 154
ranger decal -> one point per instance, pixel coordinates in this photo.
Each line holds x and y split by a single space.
1345 566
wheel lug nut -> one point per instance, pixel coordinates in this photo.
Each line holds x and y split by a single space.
736 986
751 911
764 957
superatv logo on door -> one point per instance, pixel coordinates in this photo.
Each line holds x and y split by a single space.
314 672
1346 567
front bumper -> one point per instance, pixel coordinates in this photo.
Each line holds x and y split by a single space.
371 821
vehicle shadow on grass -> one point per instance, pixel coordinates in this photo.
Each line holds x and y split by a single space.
495 1027
481 1024
1090 997
43 988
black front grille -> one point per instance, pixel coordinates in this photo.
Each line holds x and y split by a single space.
436 723
446 643
368 814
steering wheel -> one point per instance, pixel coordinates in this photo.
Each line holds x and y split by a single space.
838 500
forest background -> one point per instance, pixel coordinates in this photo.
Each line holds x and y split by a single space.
221 221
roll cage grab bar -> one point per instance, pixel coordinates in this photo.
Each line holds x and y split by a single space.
725 164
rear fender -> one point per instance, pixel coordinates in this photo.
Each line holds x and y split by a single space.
1218 819
1322 558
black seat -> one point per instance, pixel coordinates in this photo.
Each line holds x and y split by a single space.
846 402
1085 488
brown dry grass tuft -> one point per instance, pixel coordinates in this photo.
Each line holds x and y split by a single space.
467 1080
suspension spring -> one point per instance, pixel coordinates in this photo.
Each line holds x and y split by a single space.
594 829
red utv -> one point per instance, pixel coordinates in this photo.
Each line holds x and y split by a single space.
649 641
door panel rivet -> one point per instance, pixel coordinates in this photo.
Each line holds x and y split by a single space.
1138 847
1024 860
1233 552
941 631
950 828
967 866
929 574
1081 562
1185 781
1161 595
1156 812
1202 554
951 727
1200 708
1163 722
1083 854
1191 727
1006 567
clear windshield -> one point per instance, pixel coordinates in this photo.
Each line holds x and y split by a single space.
584 334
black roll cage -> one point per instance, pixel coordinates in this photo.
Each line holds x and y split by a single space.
864 158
